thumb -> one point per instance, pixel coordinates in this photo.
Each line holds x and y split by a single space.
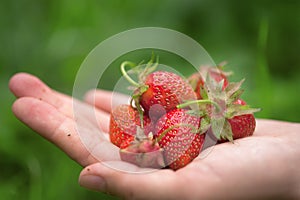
132 182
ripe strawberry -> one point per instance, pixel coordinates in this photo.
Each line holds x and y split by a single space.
218 75
126 143
239 123
214 73
165 91
242 125
143 152
124 120
157 92
229 116
176 133
197 83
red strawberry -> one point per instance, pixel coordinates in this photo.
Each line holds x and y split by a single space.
214 73
197 83
218 75
230 117
124 120
242 125
176 133
126 143
143 152
165 91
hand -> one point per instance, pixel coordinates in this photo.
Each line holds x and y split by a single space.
51 114
265 165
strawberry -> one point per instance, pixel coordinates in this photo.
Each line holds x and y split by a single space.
126 143
178 134
229 117
218 75
124 120
215 73
197 82
165 89
157 92
144 152
242 125
239 121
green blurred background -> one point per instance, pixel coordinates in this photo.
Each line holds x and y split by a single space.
50 38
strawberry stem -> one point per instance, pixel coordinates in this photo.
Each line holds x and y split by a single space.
125 74
141 88
140 111
202 101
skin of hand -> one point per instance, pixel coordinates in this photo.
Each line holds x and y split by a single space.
266 165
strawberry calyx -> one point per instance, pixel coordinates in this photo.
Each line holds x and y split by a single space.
139 69
233 96
143 151
139 87
216 72
202 110
222 101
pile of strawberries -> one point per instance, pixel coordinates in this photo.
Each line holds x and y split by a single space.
165 124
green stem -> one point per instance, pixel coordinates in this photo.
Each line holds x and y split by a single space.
202 101
130 80
140 111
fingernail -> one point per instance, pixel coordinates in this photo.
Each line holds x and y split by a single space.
92 182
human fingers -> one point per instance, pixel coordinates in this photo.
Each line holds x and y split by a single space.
267 127
105 100
259 160
81 140
26 85
136 184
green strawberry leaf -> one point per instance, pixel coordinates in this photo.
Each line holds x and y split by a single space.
233 88
221 128
150 67
221 67
205 125
203 91
234 97
217 124
236 110
219 86
226 131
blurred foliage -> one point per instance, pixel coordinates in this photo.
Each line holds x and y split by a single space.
50 38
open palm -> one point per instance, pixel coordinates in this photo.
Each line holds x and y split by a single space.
262 166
